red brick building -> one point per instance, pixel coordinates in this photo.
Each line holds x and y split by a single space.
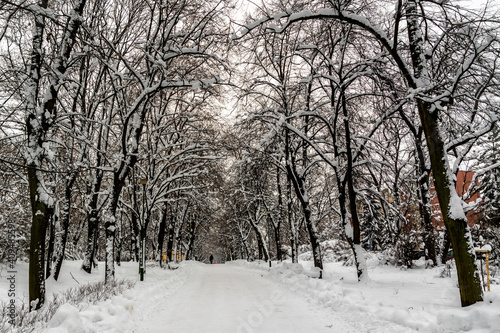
464 180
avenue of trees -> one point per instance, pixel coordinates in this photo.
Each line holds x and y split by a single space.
346 118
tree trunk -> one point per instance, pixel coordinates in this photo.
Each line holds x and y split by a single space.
93 191
264 253
161 233
192 235
121 171
171 236
244 245
261 242
446 247
454 217
119 246
453 214
301 192
92 223
34 129
277 229
95 262
425 211
62 234
119 241
359 258
277 239
92 232
38 124
301 186
110 228
135 236
294 238
178 245
50 250
37 253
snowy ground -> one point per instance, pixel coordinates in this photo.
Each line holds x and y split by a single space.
394 300
248 297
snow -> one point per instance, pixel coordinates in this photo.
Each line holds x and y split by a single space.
228 298
456 211
301 15
249 297
486 247
360 256
393 300
67 319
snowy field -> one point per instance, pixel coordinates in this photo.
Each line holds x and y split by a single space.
248 297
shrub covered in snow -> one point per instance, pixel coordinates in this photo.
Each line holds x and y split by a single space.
69 301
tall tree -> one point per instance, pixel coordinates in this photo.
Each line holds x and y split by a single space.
40 118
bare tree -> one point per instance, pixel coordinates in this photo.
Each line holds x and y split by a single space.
41 115
431 94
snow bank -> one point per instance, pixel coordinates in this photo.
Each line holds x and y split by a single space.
119 314
116 314
67 319
411 300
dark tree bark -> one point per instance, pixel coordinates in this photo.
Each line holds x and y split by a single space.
110 223
277 229
62 235
135 237
453 214
37 255
277 240
135 219
161 233
65 203
171 236
119 240
93 216
50 248
446 247
192 236
294 239
120 174
92 233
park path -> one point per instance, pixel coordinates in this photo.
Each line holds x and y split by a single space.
230 298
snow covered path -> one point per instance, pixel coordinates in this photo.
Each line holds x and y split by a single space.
228 298
247 297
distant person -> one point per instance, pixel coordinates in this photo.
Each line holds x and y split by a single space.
211 259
